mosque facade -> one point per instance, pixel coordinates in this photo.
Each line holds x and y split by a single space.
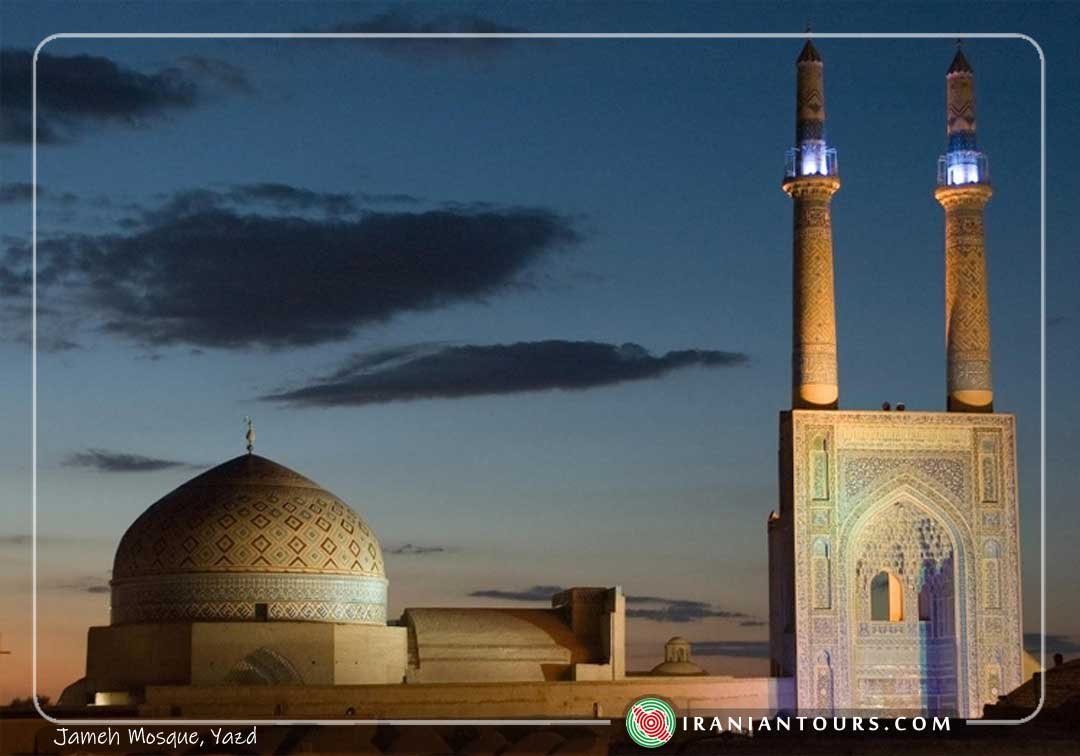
252 592
895 555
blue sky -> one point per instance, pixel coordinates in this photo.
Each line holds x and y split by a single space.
624 192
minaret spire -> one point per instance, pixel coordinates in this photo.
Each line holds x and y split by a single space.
963 190
810 179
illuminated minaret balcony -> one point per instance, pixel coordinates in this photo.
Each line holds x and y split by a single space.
810 160
960 167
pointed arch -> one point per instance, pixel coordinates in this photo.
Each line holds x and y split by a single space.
950 543
917 490
263 666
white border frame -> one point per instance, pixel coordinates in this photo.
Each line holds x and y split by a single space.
528 35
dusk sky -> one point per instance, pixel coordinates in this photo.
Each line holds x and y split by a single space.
524 305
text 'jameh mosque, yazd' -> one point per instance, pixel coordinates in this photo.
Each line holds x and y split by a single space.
251 592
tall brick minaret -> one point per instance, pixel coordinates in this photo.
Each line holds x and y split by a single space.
963 190
811 180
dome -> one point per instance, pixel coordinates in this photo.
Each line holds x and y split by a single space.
677 660
677 669
249 540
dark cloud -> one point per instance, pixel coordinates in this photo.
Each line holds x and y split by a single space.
536 593
15 276
434 50
229 76
288 198
393 198
15 191
54 343
266 197
77 90
659 609
104 460
199 271
285 197
748 649
15 316
1055 644
413 550
14 540
86 584
450 372
653 608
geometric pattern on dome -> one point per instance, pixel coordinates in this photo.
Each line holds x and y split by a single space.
242 611
236 596
249 514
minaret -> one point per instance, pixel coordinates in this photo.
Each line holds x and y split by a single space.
810 179
963 190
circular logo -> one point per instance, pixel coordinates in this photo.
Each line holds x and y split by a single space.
650 722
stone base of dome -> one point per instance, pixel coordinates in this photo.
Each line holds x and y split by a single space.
234 597
133 656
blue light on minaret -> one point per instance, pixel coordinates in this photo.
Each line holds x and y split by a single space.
962 163
810 156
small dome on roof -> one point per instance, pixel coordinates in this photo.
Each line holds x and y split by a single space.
677 660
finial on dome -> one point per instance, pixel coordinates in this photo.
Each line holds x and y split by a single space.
250 435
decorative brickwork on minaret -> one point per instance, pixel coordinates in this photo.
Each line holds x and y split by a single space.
963 190
811 181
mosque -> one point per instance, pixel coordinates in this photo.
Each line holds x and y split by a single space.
251 592
895 557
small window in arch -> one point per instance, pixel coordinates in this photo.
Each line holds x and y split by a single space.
886 598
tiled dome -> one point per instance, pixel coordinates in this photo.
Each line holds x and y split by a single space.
249 539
